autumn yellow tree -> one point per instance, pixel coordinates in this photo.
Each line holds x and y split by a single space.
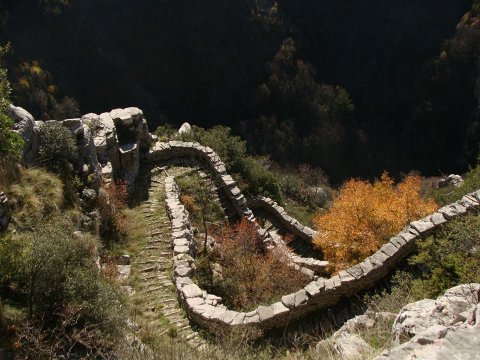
364 216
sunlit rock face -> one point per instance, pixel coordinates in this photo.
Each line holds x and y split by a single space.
110 145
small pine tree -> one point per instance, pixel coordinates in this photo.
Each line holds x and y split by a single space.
57 147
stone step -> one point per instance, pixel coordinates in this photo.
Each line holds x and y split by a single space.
191 337
147 278
176 311
146 261
170 301
159 241
154 289
152 247
184 328
148 269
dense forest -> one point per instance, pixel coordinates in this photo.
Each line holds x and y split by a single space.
354 87
295 218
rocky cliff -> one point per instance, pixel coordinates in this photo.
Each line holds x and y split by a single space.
110 144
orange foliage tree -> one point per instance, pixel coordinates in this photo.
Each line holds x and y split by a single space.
364 216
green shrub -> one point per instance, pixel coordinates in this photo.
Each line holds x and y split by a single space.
166 132
10 259
11 143
230 148
392 300
58 149
450 258
69 302
296 184
255 177
259 180
446 259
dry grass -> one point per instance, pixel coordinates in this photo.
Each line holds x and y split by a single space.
36 195
134 229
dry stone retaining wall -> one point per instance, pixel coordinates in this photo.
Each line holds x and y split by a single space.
293 226
290 223
178 149
317 295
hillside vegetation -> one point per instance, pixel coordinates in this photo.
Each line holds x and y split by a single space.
117 244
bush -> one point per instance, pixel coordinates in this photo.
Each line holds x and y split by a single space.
251 275
58 149
363 216
258 180
392 300
166 132
449 258
230 148
11 143
111 201
69 303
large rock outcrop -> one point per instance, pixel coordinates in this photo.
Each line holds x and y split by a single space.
24 125
347 341
111 144
121 139
87 162
446 328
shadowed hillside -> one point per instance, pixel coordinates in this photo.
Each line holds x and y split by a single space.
203 61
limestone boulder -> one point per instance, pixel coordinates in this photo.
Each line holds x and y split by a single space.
318 195
351 346
24 124
451 180
451 308
185 128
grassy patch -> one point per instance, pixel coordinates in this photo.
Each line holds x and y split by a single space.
134 233
394 299
38 194
303 213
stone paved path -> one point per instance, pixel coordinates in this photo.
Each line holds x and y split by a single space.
154 265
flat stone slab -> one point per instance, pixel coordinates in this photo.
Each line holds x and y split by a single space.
422 226
192 291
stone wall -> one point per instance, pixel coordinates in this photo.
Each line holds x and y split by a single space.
178 149
4 212
317 295
290 223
